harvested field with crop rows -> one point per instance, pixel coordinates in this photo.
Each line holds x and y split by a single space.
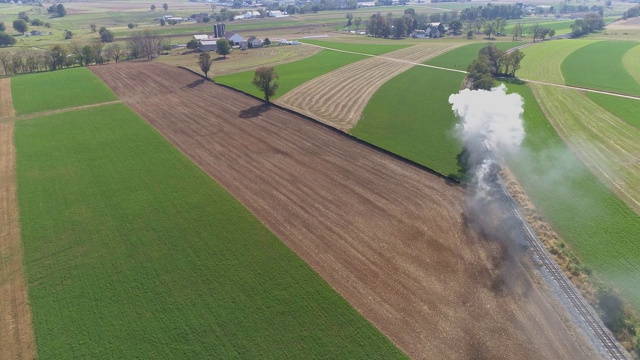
389 237
338 98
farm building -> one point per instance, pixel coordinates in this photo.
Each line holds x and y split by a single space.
251 14
207 45
254 42
201 37
233 37
219 29
276 13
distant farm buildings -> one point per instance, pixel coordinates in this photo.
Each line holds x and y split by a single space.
254 42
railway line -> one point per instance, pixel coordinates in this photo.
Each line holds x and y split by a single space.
592 321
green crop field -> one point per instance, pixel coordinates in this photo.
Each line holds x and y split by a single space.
625 109
132 251
58 90
601 229
416 124
631 63
560 26
460 58
292 74
371 49
599 66
542 60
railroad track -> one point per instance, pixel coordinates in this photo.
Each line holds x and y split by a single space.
592 321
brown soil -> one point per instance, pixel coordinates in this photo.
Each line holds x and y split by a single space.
16 335
339 97
389 237
6 101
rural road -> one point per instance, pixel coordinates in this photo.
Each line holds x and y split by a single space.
464 72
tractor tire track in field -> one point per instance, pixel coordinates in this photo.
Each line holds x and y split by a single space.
339 97
390 238
16 334
57 111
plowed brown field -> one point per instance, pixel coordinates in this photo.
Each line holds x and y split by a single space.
389 237
337 98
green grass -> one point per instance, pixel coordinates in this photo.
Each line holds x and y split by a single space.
542 61
599 66
416 124
371 49
599 227
292 74
460 58
560 26
58 90
131 251
625 109
631 63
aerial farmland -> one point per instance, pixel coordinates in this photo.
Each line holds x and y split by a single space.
423 180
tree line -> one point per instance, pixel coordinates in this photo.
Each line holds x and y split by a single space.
144 44
491 12
590 23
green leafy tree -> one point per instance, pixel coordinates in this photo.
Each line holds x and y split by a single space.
193 44
153 7
20 26
518 30
3 27
93 28
205 61
106 36
223 47
266 80
266 42
456 26
6 40
56 57
165 7
88 54
60 10
68 35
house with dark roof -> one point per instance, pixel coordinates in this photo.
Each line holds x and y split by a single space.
254 42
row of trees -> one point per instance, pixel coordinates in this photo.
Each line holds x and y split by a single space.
492 62
144 44
491 12
590 23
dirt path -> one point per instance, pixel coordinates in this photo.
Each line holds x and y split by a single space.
339 97
57 111
16 335
6 102
389 237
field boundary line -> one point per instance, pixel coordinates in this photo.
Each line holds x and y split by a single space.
17 339
338 131
387 58
6 100
58 111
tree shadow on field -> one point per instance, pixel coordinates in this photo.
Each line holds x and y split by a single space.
254 111
195 83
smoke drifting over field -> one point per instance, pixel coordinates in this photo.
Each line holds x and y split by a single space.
490 127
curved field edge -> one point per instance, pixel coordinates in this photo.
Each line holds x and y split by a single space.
59 89
542 61
292 74
595 223
631 63
416 124
599 66
460 58
146 251
624 108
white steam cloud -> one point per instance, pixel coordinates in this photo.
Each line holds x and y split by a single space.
490 117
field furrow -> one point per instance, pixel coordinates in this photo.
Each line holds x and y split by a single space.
16 335
608 146
542 60
338 98
631 62
390 238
